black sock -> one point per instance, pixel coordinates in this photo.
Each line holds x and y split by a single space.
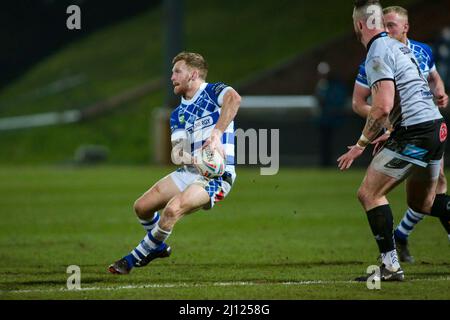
382 223
441 209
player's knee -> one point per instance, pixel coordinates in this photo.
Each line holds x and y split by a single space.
147 204
172 210
139 208
416 208
363 195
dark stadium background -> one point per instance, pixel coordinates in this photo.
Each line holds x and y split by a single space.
34 35
67 188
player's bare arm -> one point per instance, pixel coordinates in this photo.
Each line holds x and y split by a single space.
359 100
229 109
438 88
383 93
362 108
360 105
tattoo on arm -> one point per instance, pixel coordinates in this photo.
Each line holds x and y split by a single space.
373 126
375 87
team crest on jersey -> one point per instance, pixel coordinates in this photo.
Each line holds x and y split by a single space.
405 50
376 64
181 118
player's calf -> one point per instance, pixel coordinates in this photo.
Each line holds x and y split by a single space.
147 218
375 186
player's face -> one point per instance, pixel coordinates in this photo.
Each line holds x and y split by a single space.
181 77
396 25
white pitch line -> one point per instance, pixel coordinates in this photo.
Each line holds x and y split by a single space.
167 285
214 284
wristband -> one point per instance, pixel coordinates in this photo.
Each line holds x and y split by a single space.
363 141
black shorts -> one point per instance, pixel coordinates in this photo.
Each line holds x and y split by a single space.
420 143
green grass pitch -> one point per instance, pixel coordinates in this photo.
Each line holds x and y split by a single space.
300 234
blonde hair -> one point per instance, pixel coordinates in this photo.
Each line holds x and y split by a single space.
193 60
397 9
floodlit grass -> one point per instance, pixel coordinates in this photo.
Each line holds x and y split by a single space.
298 235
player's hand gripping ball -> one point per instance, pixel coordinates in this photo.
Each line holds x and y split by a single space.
210 164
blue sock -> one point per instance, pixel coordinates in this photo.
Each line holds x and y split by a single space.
153 241
406 226
151 223
131 260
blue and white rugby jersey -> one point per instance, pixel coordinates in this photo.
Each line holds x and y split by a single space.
422 53
195 119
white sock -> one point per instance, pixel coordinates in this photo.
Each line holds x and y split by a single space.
159 234
149 224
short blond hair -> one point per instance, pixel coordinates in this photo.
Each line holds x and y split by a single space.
397 9
193 60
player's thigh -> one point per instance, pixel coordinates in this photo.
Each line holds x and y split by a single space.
158 195
194 198
421 187
190 200
386 171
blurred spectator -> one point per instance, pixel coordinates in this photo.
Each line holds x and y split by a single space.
331 94
442 53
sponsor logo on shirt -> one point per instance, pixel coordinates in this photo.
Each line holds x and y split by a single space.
203 123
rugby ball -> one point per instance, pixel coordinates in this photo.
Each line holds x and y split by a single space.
210 164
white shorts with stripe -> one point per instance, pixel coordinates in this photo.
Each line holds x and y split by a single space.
217 188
